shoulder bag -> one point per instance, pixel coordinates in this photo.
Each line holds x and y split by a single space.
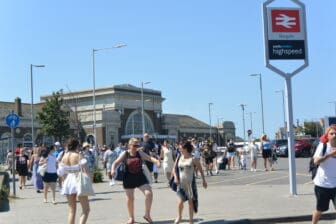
84 184
172 183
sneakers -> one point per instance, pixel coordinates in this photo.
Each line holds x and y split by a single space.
112 182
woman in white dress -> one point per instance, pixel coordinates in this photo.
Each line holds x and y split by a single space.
69 167
167 154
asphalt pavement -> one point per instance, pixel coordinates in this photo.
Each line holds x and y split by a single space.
234 196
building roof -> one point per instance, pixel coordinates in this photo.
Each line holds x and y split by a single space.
184 121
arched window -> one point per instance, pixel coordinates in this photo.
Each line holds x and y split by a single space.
134 124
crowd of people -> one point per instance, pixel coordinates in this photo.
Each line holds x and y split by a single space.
184 160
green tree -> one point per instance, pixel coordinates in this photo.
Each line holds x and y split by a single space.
53 118
313 129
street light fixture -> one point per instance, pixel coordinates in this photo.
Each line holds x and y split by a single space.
210 104
243 109
283 108
261 100
334 102
142 108
218 126
251 122
94 85
32 99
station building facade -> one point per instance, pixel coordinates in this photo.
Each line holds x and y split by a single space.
118 116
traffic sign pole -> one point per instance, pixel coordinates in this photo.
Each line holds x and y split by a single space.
14 162
286 39
13 120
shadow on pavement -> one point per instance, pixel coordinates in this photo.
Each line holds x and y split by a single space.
293 219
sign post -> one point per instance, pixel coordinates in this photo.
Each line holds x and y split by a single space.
286 39
12 121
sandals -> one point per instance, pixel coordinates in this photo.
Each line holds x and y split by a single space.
130 221
149 220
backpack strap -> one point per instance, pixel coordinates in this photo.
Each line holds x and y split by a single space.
324 148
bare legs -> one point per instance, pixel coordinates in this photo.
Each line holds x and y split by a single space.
147 191
72 208
84 201
52 185
316 216
22 180
180 210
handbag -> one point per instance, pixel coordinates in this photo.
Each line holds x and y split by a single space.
84 184
147 174
42 169
120 172
172 183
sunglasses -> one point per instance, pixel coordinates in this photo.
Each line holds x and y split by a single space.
136 145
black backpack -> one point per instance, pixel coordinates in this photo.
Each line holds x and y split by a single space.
312 166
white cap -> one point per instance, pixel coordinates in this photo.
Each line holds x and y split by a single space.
57 144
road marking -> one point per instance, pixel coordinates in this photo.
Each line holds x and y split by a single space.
244 177
262 181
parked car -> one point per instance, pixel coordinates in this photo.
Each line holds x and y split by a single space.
303 147
282 150
280 147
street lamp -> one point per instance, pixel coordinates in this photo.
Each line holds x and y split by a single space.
142 108
243 109
210 104
218 135
94 84
334 102
261 100
251 122
283 107
32 99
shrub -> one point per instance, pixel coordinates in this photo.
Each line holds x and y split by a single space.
98 176
4 193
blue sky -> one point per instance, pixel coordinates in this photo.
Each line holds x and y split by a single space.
194 51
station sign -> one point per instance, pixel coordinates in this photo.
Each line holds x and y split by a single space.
285 33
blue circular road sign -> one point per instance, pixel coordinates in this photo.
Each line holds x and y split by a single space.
12 120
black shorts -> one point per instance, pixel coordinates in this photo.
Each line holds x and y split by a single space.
323 196
50 177
266 153
208 160
131 181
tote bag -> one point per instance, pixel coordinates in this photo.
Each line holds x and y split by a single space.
84 184
42 169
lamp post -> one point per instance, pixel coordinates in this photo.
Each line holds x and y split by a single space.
261 100
210 104
283 108
243 109
334 102
142 108
218 136
94 85
32 99
251 122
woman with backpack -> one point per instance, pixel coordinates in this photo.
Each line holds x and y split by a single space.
134 177
325 179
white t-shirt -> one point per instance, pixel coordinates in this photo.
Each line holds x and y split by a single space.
325 175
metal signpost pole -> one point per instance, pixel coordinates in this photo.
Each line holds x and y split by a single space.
13 163
12 121
286 39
